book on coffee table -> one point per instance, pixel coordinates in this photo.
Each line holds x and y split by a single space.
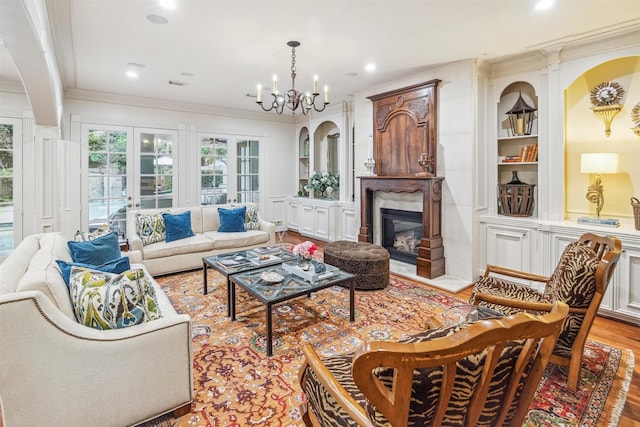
233 261
262 250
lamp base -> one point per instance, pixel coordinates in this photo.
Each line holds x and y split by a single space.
603 222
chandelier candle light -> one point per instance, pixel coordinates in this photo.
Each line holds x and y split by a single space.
292 98
598 163
370 163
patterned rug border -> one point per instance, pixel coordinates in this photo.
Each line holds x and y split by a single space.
604 406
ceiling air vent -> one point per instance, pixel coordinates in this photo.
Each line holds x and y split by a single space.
177 83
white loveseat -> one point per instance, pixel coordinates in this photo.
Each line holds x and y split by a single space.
55 371
186 254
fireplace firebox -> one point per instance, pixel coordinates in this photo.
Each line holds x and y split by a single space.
401 232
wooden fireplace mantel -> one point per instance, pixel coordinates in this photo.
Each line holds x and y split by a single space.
430 262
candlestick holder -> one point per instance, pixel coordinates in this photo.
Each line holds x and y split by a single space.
370 164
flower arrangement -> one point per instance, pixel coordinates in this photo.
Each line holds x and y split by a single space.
304 250
320 181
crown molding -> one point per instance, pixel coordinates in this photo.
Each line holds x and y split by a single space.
136 101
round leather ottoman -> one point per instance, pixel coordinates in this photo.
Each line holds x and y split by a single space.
368 262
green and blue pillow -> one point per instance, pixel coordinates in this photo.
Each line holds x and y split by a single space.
151 228
110 301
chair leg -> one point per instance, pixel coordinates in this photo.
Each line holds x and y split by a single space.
306 418
575 364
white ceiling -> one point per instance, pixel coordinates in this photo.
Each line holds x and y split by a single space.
229 46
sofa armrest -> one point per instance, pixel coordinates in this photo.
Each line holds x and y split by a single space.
135 257
43 351
270 228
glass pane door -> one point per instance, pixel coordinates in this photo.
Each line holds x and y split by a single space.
10 225
155 168
107 177
248 171
213 170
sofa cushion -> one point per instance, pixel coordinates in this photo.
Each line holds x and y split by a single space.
116 266
232 220
14 267
178 226
150 228
97 251
110 301
194 244
237 240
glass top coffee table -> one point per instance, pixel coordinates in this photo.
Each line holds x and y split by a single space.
245 260
272 285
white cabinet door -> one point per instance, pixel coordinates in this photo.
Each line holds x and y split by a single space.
293 216
349 224
322 222
509 247
625 285
307 220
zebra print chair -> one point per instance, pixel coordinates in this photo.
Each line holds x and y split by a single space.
473 374
579 280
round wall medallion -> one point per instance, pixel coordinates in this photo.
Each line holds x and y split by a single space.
607 93
400 101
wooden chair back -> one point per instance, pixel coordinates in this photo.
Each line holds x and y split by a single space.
511 355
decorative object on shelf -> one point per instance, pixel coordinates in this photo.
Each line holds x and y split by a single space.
635 204
425 162
605 99
598 163
320 181
304 251
329 193
515 198
521 117
369 164
292 98
635 116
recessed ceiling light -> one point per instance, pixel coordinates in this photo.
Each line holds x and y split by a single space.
132 74
167 4
370 66
186 74
544 4
157 19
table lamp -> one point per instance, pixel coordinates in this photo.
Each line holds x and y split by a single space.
598 163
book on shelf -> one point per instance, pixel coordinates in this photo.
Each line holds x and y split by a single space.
605 222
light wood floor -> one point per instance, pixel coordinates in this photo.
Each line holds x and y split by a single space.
606 331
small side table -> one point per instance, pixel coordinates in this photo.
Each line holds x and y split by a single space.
281 230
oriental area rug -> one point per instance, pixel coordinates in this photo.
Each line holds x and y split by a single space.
235 384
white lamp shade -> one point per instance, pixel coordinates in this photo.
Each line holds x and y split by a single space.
599 162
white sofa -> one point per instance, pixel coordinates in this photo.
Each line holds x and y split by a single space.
186 254
55 371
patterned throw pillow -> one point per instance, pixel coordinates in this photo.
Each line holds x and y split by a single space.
98 232
151 228
110 301
251 221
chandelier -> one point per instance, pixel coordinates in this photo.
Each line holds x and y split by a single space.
292 98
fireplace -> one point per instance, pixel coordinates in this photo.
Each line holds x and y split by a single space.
401 232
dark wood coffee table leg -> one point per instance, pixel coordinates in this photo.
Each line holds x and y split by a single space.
204 272
269 333
352 305
232 301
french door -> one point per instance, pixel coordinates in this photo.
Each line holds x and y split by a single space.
126 168
10 185
229 169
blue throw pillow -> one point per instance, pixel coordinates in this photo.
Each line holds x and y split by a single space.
232 220
117 266
97 251
177 226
